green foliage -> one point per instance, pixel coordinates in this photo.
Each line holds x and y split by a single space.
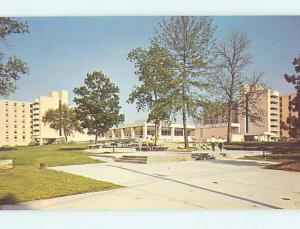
98 104
11 68
64 119
154 71
189 42
294 121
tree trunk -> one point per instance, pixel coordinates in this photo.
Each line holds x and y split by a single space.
155 136
229 121
66 137
96 138
186 142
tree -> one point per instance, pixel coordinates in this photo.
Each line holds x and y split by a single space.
11 68
237 89
189 41
294 121
63 119
155 74
98 104
212 111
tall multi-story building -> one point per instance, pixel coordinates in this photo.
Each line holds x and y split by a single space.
285 113
41 131
15 123
22 122
266 129
243 128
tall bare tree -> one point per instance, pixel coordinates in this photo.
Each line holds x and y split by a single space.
238 89
189 41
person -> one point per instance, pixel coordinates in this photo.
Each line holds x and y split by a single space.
147 143
140 143
151 144
220 143
213 143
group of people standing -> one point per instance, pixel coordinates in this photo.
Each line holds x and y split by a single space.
219 142
148 142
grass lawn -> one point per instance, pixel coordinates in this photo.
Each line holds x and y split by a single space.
27 182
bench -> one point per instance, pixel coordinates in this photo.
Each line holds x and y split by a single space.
154 148
202 156
97 146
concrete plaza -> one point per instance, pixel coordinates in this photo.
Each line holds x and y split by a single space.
222 183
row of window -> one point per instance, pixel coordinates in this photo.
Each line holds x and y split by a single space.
15 104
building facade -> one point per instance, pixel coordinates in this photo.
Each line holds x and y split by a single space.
15 123
22 123
243 128
143 129
266 129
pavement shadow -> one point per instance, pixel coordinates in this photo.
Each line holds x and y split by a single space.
236 162
72 148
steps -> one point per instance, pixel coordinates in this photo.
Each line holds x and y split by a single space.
132 159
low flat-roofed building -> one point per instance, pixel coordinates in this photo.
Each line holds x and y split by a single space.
143 129
206 132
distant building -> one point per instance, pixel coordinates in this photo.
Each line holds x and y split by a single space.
15 123
143 129
21 122
267 129
243 128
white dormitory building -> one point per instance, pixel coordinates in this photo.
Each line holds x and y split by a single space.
21 122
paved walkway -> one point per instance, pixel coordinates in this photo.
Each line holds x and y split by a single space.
224 183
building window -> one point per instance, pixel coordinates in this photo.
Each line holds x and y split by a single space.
166 131
192 132
178 131
138 131
151 130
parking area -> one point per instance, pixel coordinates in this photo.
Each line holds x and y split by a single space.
223 183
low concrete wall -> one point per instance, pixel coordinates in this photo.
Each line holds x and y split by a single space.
6 164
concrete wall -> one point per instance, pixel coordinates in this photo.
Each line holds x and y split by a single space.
205 132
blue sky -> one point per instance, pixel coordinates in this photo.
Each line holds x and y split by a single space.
61 50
